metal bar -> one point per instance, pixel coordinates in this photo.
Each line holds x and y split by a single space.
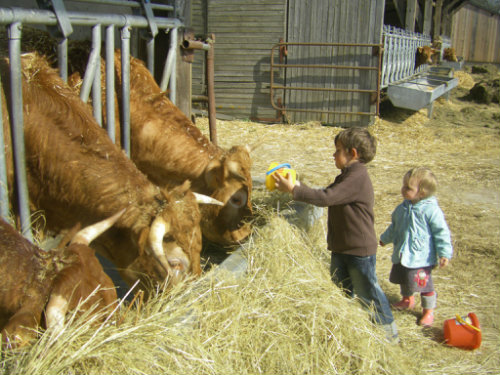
17 128
96 85
150 50
90 71
323 89
4 187
323 66
131 4
110 81
62 59
46 17
125 61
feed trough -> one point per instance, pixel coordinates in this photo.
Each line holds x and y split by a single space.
420 91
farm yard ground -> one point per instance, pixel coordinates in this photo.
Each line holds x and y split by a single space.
284 316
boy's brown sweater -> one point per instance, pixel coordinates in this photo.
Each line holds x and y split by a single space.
350 201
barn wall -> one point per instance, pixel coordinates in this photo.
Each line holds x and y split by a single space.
246 30
476 35
334 21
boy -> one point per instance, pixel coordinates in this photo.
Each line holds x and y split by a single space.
351 234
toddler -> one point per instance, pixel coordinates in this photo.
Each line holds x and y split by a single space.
421 239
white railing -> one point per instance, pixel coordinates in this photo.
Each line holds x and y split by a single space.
400 47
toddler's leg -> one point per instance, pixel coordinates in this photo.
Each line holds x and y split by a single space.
408 300
428 305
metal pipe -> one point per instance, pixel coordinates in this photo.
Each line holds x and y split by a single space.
94 59
62 59
169 65
110 81
125 44
96 86
173 76
195 44
47 17
4 187
17 128
211 95
150 50
131 4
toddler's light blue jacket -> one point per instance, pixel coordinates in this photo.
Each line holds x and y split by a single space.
419 233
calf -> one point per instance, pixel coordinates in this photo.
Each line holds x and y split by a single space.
76 174
424 55
449 54
57 281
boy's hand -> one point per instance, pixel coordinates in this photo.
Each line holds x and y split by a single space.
283 184
443 262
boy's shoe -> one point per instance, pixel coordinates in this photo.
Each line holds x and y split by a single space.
391 333
405 304
428 318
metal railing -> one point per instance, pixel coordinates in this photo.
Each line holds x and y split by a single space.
374 50
400 48
14 18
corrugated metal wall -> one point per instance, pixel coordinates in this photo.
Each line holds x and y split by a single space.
475 35
246 30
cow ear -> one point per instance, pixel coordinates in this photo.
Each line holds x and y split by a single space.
420 49
214 174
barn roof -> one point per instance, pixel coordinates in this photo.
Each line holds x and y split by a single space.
492 6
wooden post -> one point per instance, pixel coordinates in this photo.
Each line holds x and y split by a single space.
427 18
411 14
437 19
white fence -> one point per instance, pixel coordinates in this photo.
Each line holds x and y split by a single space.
400 47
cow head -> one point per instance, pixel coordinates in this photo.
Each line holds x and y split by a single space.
228 180
171 245
424 55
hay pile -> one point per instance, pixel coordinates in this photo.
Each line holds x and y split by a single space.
285 316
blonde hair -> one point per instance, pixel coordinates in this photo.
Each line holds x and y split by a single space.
427 182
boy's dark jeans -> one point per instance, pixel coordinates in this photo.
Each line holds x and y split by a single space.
357 276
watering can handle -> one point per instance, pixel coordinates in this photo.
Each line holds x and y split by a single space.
460 320
284 165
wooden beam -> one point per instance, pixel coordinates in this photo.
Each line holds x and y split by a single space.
411 12
427 27
437 19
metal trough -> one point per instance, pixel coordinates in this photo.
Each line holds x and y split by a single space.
456 65
420 91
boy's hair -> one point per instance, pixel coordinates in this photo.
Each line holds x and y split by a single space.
361 140
427 182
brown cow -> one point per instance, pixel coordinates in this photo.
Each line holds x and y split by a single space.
58 280
424 55
76 174
449 54
169 148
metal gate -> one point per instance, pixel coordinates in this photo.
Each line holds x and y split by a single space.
52 13
328 88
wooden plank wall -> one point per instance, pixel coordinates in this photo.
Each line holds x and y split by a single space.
333 21
245 31
476 35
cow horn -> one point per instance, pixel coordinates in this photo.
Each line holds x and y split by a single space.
90 233
158 229
205 199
